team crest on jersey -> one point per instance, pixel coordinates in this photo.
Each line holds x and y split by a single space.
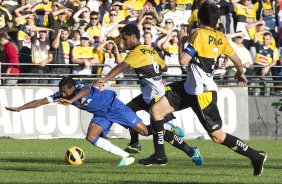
85 102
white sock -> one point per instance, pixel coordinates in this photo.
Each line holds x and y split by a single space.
109 147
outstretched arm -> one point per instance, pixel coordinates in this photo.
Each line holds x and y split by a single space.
84 91
29 105
114 72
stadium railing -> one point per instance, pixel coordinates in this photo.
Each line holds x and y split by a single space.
264 83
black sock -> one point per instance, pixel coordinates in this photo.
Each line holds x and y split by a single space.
149 128
240 147
158 137
134 136
177 142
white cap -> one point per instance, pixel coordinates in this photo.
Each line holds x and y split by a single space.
84 35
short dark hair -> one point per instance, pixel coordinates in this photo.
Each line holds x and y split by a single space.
208 14
65 28
111 10
94 13
66 81
148 33
4 36
131 29
149 13
110 38
267 34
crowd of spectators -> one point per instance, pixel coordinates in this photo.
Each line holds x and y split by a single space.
53 34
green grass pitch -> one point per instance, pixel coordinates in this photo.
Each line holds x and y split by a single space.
42 161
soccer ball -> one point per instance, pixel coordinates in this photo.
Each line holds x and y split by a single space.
74 156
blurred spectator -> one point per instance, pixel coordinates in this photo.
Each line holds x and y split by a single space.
65 3
277 72
41 55
109 56
26 30
138 5
169 25
12 5
55 7
226 18
170 48
42 9
174 13
256 30
75 40
245 13
148 27
61 49
100 6
161 6
5 19
59 18
25 23
121 13
236 42
279 16
94 27
84 12
265 58
131 18
108 27
147 17
267 12
186 6
149 14
10 56
193 22
84 56
148 39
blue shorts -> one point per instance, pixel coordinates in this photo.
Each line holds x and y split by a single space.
120 114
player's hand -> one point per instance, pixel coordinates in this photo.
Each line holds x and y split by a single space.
14 109
63 101
99 84
241 80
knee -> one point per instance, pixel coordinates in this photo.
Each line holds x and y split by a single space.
217 140
90 137
144 131
218 136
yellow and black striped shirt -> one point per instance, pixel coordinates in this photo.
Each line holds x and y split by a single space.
209 45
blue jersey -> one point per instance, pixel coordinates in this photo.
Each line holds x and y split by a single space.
94 102
104 105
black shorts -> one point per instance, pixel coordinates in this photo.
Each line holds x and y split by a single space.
138 104
204 105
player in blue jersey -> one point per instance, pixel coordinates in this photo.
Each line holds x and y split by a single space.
105 107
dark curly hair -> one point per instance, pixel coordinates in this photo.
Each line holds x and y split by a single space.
131 29
66 81
209 14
